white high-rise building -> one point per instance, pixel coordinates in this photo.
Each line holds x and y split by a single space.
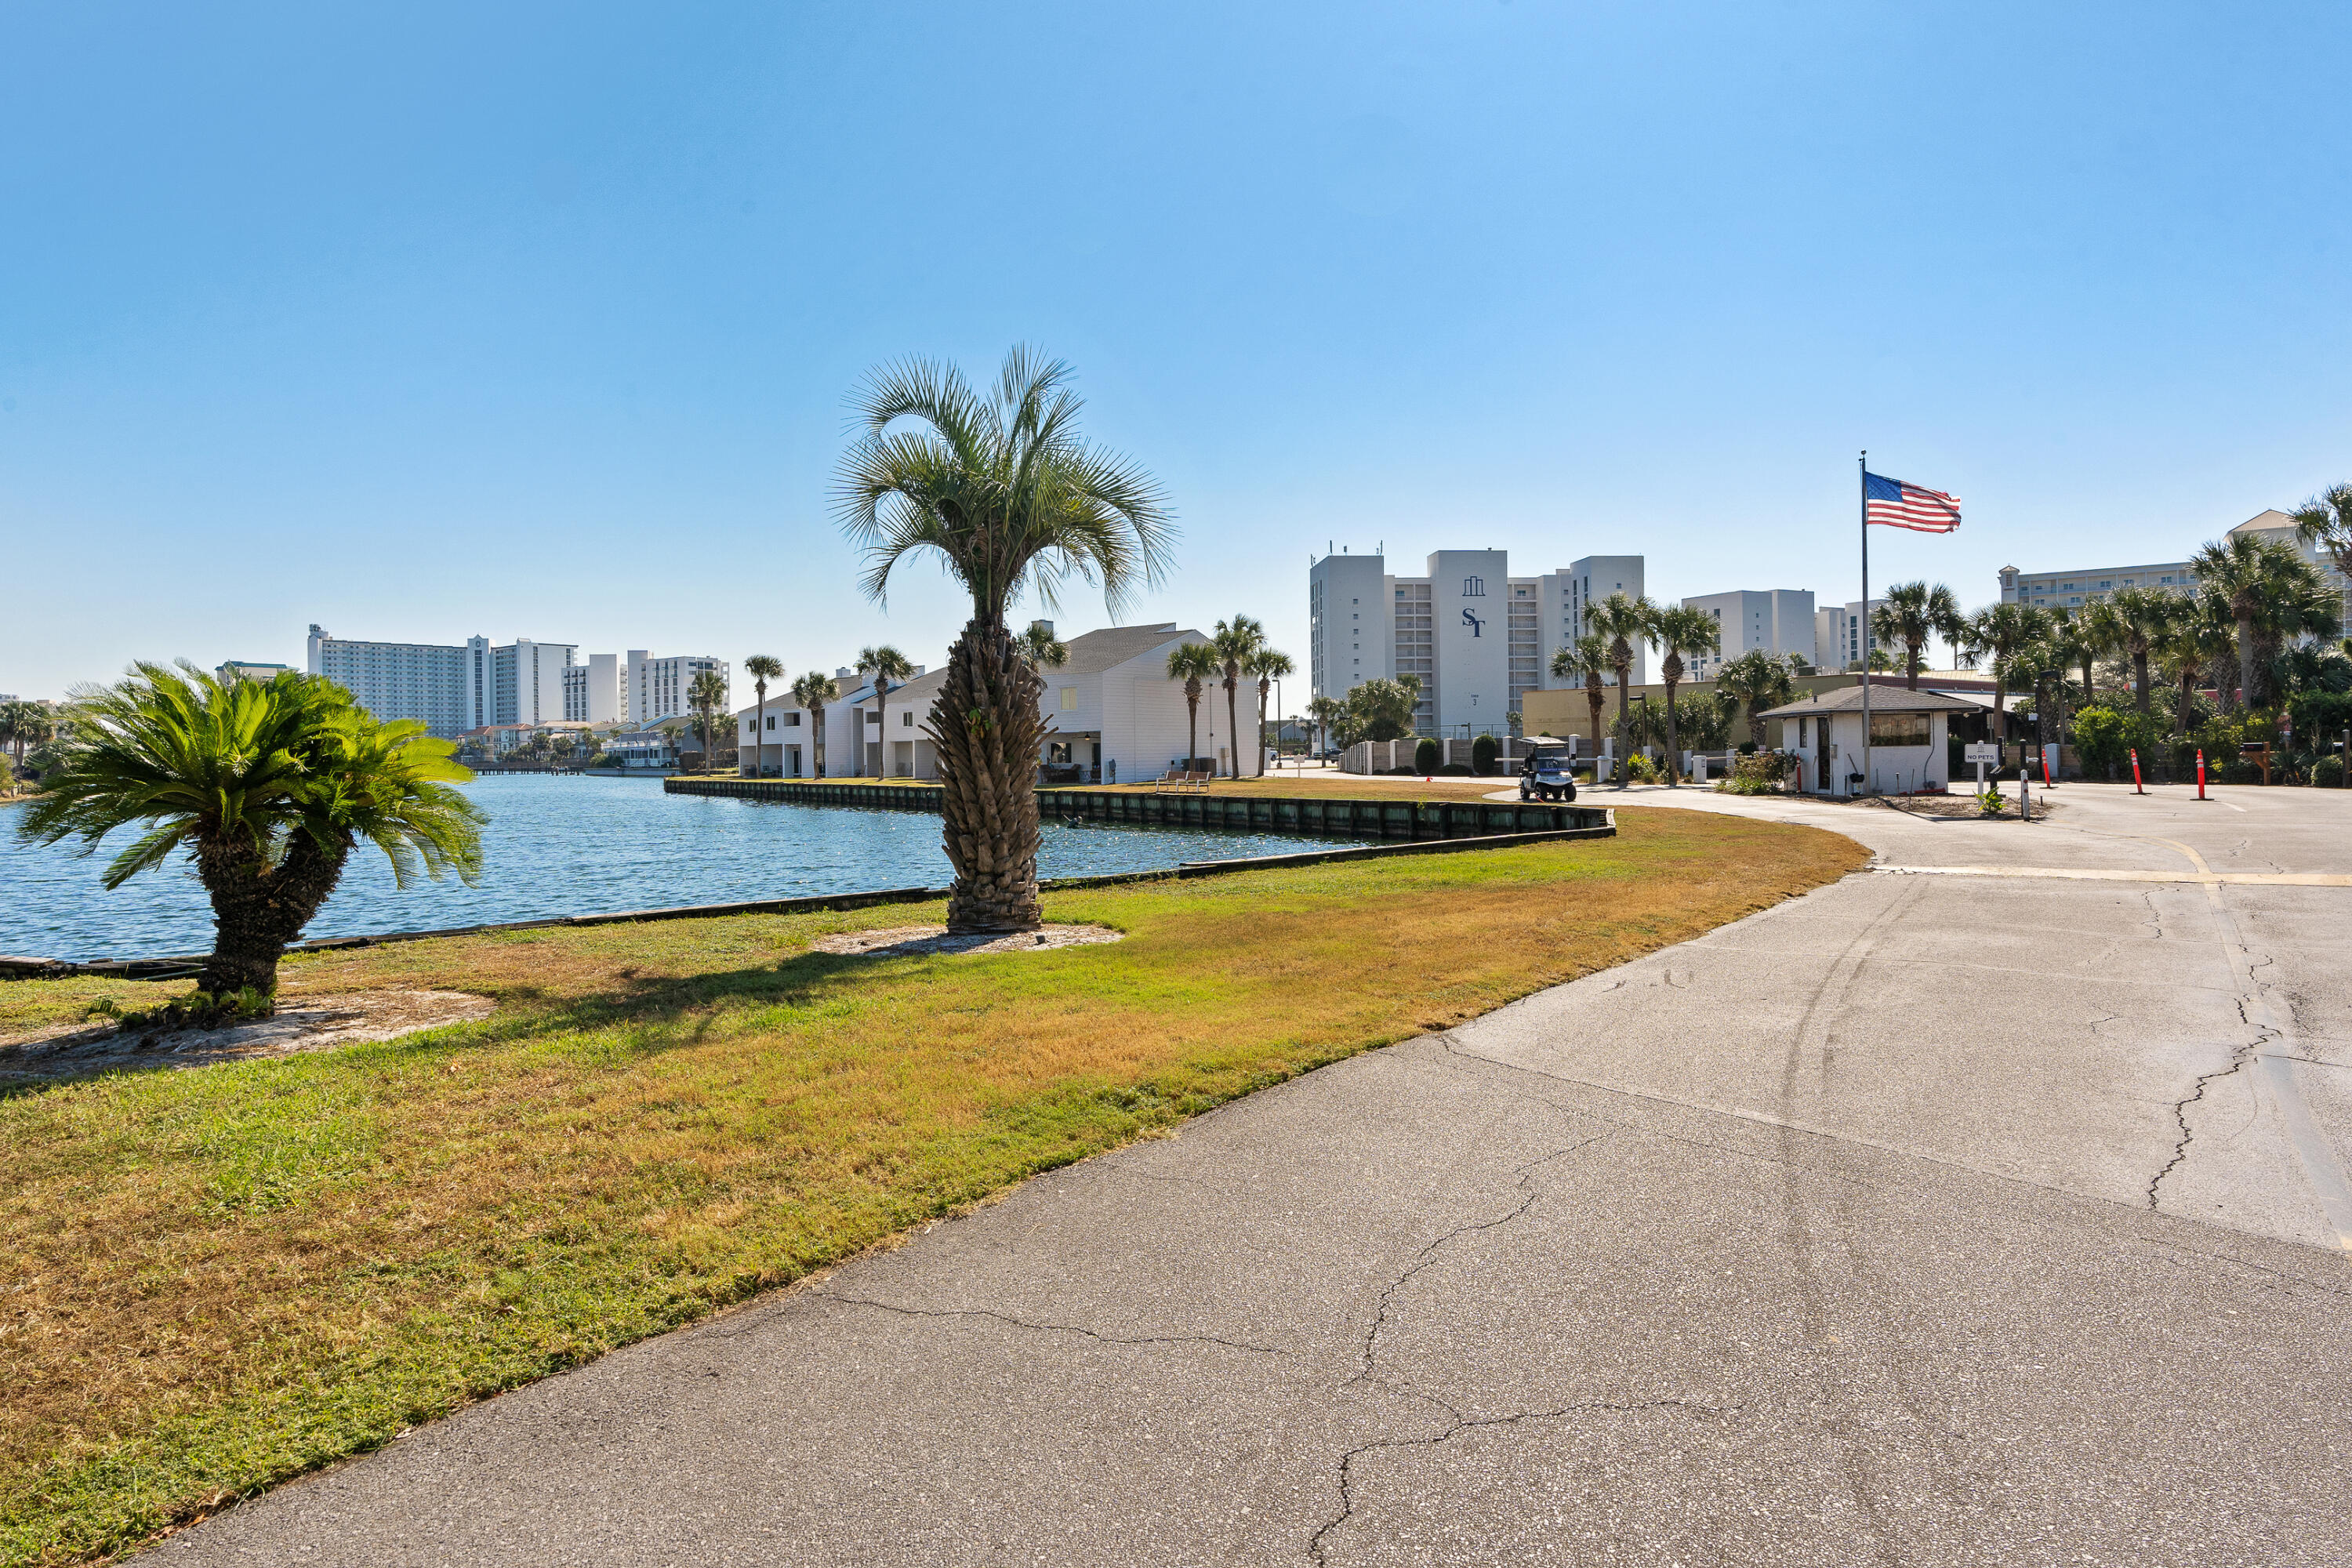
448 688
1838 633
1777 620
1476 637
2089 585
592 691
659 688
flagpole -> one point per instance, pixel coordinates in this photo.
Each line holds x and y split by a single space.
1863 463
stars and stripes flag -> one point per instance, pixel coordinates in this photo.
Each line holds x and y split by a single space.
1894 504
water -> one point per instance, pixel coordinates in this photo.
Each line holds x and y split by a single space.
568 846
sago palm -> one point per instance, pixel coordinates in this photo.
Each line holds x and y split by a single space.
887 667
811 694
1236 642
1194 664
1679 629
1587 657
1004 490
761 667
1910 615
267 786
1265 666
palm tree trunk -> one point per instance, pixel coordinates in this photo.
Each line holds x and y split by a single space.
2139 680
990 727
882 719
2245 661
1263 688
1192 725
1911 666
1674 751
1234 722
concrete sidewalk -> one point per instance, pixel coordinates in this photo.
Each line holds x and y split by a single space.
1944 1218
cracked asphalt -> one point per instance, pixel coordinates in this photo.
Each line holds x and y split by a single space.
1925 1219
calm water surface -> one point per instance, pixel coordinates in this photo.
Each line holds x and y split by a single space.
558 845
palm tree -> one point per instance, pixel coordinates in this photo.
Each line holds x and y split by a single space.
268 786
1912 613
1006 491
1758 680
673 732
2325 520
24 724
1622 621
2199 631
2008 634
1194 663
1679 630
2254 577
761 667
2134 622
890 668
1236 642
1326 713
1042 648
1588 656
811 693
706 695
1268 665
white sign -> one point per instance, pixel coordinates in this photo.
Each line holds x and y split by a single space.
1981 751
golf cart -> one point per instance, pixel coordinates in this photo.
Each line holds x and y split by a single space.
1547 773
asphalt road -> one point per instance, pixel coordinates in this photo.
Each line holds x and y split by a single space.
1988 1217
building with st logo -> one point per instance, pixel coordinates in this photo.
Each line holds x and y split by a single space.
1475 636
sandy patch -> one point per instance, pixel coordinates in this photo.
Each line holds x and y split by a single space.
301 1024
907 941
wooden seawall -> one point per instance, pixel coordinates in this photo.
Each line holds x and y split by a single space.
1234 812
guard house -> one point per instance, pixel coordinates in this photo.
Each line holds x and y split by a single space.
1908 731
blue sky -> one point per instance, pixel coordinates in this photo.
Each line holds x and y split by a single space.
424 322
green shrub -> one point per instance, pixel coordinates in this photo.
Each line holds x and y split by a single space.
1457 771
1483 754
2328 772
1424 756
1639 769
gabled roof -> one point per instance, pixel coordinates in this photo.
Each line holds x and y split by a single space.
2263 522
1091 653
1883 699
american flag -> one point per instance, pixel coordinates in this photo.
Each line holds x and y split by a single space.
1894 504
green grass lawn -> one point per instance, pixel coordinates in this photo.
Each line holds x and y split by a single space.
211 1281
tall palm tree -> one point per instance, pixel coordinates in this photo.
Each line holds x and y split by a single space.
761 667
1679 630
1194 664
890 667
2254 576
1042 648
1623 621
1267 665
1588 657
268 786
24 724
1326 713
2008 634
1912 613
1004 488
1758 681
2199 631
1236 642
2135 623
707 694
812 693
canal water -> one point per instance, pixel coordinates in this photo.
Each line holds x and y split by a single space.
560 845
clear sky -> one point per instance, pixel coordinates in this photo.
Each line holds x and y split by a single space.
420 321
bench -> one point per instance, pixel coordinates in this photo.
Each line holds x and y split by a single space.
1177 780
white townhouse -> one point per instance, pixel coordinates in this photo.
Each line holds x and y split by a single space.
1111 715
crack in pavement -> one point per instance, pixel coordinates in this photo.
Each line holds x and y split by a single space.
1315 1548
1049 1327
1428 1254
2239 1057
